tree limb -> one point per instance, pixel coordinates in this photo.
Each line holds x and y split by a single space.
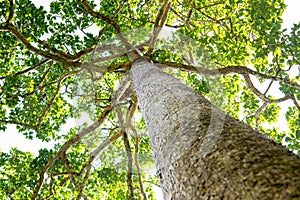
257 113
205 14
47 108
67 145
261 95
129 165
225 71
130 113
11 11
159 23
21 37
108 20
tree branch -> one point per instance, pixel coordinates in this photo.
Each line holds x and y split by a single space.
225 71
18 123
257 113
295 102
159 23
261 95
47 108
84 182
108 20
71 176
11 11
129 116
54 50
63 54
129 165
67 145
18 35
206 15
69 169
94 154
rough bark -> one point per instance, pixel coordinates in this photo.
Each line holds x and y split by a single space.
202 153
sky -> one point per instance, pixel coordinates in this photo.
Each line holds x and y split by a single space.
11 138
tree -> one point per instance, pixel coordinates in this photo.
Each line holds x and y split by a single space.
201 146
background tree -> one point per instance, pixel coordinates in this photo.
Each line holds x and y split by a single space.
51 57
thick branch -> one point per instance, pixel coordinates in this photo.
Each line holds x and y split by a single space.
11 11
159 23
22 38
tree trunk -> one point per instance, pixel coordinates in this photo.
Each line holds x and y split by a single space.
202 153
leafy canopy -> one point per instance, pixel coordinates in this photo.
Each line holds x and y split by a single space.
67 61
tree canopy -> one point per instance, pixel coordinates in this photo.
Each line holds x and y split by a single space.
72 61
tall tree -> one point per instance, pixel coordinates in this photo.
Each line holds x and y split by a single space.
201 146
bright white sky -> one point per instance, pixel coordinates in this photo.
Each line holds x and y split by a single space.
11 138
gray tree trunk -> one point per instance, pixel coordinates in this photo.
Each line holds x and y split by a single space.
202 153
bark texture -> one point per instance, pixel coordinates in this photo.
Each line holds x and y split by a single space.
202 153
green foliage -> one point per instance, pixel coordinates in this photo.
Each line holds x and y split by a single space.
46 79
17 173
